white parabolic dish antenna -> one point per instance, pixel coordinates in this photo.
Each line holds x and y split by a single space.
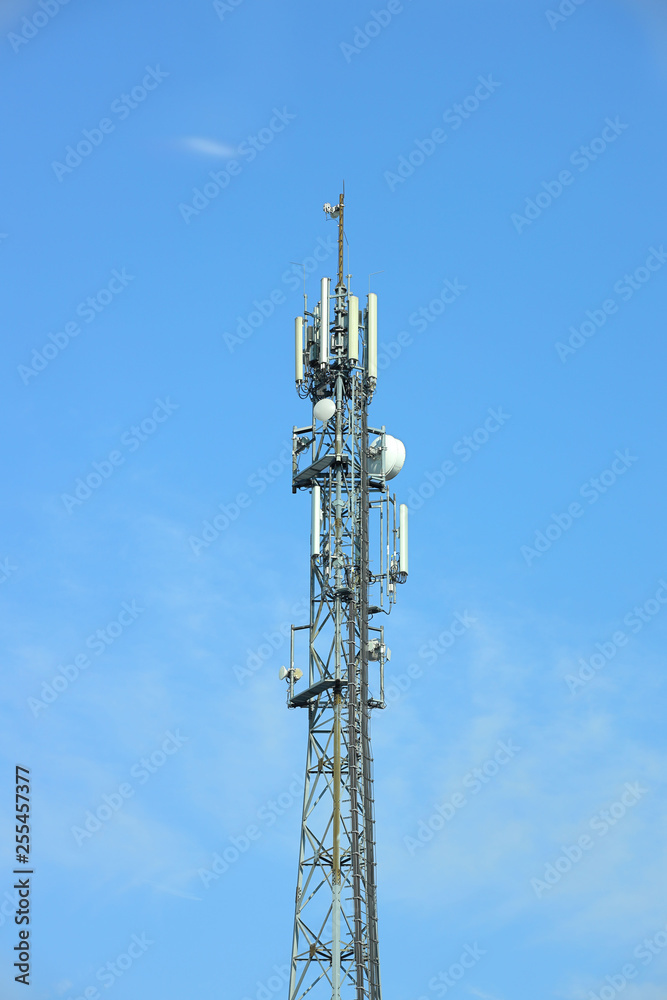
324 409
390 462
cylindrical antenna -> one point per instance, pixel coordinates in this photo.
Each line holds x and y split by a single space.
372 333
403 539
353 328
315 521
298 349
324 322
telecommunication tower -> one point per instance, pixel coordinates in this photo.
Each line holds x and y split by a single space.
345 465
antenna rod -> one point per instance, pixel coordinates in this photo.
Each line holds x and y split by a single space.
340 238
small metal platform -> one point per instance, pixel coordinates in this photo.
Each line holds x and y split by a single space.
301 699
307 475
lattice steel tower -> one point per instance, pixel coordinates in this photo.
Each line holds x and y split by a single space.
345 465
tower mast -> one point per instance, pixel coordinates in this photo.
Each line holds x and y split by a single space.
345 465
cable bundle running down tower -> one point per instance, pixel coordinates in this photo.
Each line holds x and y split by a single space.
345 465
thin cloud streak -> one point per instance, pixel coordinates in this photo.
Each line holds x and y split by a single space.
209 147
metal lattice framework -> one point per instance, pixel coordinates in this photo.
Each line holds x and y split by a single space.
335 943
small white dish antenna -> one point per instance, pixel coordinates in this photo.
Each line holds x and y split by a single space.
324 409
390 463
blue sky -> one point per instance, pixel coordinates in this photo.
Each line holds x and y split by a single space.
540 199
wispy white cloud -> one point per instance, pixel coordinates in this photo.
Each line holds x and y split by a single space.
11 12
652 15
174 892
484 996
631 991
538 802
645 991
208 147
